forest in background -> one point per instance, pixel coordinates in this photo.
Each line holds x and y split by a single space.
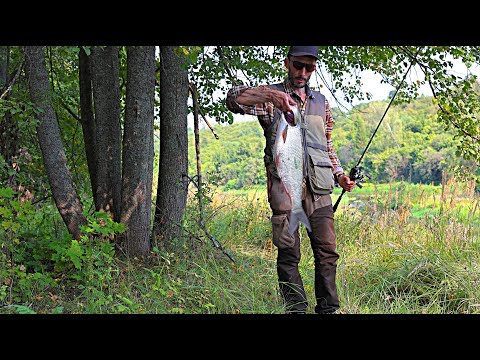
409 145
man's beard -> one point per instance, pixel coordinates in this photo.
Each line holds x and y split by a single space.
292 82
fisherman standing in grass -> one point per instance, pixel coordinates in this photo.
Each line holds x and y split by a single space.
321 169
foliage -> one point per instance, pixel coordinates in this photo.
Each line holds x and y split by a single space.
24 249
404 249
36 261
236 158
215 69
409 144
95 248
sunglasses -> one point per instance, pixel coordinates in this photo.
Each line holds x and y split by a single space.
300 65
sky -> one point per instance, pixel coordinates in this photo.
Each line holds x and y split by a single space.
380 91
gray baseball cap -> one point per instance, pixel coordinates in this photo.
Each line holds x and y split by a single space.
303 51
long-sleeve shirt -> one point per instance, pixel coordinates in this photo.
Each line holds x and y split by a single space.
264 113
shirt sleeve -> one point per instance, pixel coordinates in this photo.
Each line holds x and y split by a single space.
264 111
337 167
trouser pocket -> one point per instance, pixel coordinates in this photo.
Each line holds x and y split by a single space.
281 237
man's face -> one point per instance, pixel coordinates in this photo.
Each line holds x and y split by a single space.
300 68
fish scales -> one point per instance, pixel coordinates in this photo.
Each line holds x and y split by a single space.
288 155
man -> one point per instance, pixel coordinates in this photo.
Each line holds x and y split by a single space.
322 169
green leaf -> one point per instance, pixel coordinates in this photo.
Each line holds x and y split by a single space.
21 309
58 310
7 192
75 253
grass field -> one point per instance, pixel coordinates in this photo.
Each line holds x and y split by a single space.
404 249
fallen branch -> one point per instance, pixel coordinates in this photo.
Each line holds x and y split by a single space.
215 242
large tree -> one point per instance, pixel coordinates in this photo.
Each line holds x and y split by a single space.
87 117
48 133
173 170
137 157
106 93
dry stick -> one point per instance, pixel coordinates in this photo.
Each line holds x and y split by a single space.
215 242
41 199
193 90
70 111
9 87
208 124
197 151
196 109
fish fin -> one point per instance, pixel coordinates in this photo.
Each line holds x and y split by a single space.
284 134
298 216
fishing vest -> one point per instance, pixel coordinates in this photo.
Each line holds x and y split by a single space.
317 164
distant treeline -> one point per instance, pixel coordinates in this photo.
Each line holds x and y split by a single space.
410 144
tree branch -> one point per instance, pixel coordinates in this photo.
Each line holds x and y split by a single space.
70 111
192 88
221 55
14 79
425 71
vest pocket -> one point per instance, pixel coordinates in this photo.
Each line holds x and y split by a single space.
320 172
281 238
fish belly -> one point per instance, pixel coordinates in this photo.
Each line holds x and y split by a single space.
289 162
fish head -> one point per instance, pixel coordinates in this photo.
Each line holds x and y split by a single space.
290 117
293 117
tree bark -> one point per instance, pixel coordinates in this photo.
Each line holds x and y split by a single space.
138 151
4 51
173 168
106 94
63 191
87 117
8 127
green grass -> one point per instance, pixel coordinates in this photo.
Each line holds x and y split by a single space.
404 249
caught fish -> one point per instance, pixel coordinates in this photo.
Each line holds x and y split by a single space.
288 156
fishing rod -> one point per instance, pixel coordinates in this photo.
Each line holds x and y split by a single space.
356 173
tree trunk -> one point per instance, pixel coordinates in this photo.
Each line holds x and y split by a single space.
137 155
87 117
63 191
4 51
173 171
8 127
106 94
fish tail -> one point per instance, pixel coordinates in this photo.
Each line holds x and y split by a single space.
298 216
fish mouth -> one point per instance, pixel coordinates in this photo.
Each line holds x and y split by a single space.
297 116
290 117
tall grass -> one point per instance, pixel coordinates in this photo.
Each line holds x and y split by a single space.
413 250
404 249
